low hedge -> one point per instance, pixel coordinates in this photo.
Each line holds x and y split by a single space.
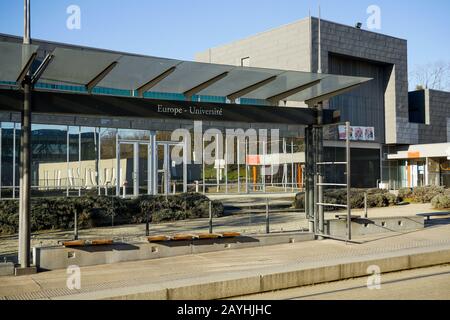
375 198
421 194
98 211
441 201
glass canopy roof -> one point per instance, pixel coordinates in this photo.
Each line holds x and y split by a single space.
14 58
95 68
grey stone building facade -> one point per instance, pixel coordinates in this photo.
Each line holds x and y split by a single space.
384 103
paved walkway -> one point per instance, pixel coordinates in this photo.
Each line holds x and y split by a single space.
419 284
212 266
246 224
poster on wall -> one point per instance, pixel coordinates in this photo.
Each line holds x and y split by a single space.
358 133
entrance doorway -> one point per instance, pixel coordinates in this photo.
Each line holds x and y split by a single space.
133 163
171 172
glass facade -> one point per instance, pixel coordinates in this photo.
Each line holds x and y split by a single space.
413 173
77 160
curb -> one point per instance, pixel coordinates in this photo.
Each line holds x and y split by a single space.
266 282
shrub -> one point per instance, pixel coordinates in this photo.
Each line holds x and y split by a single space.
375 198
441 201
426 194
95 211
404 193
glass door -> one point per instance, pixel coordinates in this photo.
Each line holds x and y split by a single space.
133 164
171 171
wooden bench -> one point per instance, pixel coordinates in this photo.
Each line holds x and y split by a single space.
433 214
230 234
190 237
183 237
158 238
76 243
83 243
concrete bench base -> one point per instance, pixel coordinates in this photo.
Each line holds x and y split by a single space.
59 257
363 227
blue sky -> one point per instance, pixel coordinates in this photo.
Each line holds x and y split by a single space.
179 28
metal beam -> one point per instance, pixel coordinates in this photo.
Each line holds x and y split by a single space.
236 95
191 92
35 78
327 96
26 68
147 86
277 98
93 83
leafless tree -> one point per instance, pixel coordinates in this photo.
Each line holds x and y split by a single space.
431 76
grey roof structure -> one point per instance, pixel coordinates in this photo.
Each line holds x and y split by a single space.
141 74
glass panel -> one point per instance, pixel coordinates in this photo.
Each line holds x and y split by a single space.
108 160
132 72
73 167
143 168
238 79
74 66
49 159
14 56
9 158
134 135
284 82
89 158
127 169
189 75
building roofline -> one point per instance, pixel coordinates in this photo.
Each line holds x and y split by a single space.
364 30
293 23
83 47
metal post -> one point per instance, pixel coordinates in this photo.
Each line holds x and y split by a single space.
238 155
218 165
185 167
307 185
292 165
136 168
320 176
226 164
246 166
67 160
267 216
79 162
97 160
147 224
349 208
366 214
118 171
1 160
210 218
203 165
263 173
14 158
75 226
25 155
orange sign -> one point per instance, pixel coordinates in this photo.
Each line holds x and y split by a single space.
253 160
413 155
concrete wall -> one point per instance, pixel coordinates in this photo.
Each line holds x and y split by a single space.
286 47
361 44
290 47
435 108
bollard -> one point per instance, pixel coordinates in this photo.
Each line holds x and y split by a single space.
366 215
267 217
210 218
